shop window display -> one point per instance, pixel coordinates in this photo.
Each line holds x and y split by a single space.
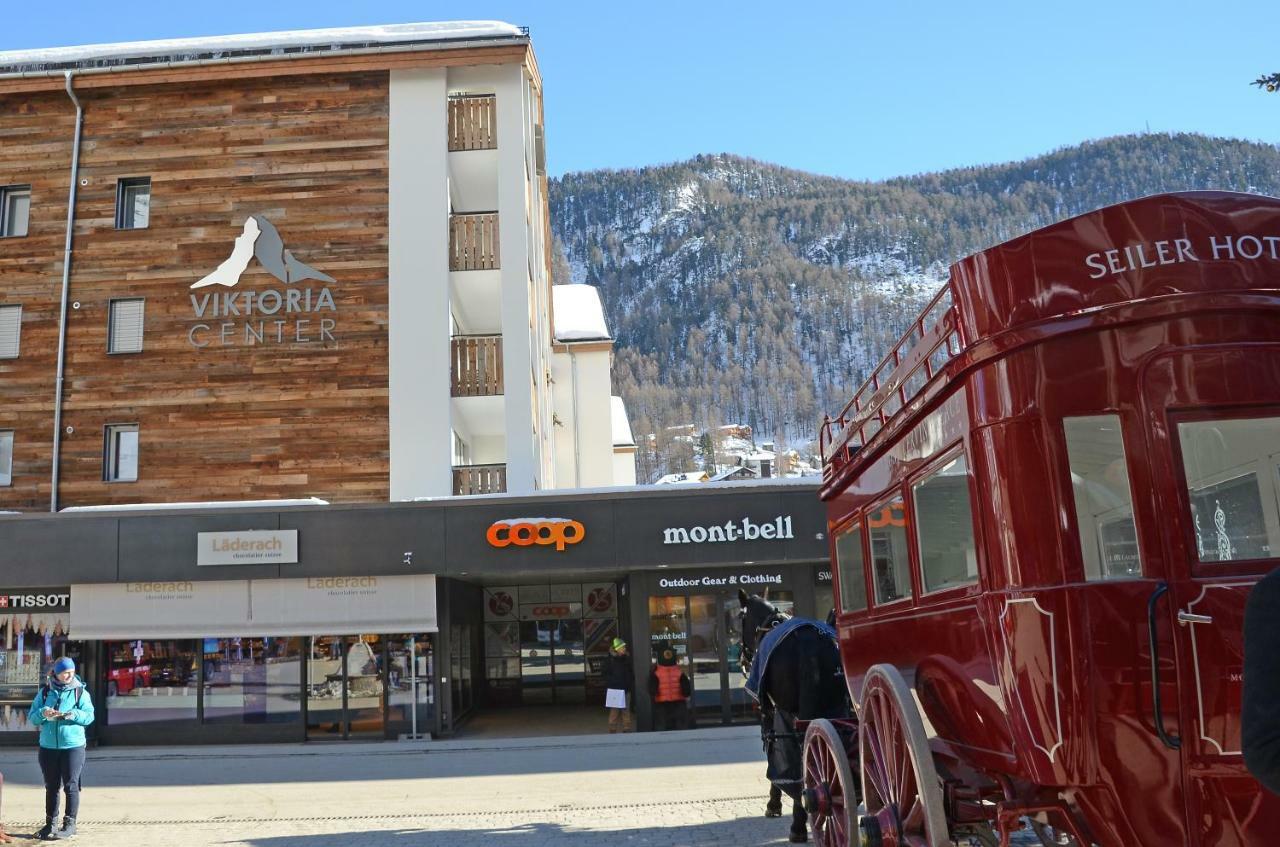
252 680
28 645
412 663
151 681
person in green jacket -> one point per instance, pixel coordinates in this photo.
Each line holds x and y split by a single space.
62 709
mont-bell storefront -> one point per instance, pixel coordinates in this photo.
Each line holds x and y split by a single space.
293 623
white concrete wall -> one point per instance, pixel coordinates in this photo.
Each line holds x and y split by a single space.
418 314
584 440
624 467
523 458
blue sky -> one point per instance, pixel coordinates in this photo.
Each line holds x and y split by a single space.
855 89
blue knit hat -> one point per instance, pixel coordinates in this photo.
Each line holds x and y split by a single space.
63 664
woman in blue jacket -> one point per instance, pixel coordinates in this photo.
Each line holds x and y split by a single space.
62 709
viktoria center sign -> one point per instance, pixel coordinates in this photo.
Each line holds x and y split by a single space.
778 529
249 318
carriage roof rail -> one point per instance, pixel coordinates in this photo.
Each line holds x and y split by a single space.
930 341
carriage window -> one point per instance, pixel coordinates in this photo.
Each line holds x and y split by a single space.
890 568
944 527
1104 506
853 588
1233 474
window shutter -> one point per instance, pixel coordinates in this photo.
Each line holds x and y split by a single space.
126 326
10 331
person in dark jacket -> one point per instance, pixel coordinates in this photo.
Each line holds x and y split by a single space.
1260 710
62 709
670 688
618 676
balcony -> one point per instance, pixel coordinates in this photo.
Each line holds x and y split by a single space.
473 242
473 123
480 479
476 364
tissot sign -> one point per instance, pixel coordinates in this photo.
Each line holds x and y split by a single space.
292 315
34 599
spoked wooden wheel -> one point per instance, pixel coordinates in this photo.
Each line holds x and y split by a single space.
899 782
829 792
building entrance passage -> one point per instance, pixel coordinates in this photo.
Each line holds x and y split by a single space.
704 631
552 661
547 644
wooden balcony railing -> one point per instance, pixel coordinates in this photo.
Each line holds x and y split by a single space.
473 242
477 365
480 479
473 123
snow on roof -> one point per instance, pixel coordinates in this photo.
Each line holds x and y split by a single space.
681 478
578 313
219 504
621 426
295 42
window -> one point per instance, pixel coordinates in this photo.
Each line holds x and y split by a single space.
15 210
890 567
461 451
124 326
1233 482
251 680
120 462
152 681
6 458
10 331
133 203
944 527
853 587
1104 506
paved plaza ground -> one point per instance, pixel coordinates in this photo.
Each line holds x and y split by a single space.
702 787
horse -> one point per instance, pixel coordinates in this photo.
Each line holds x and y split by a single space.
802 680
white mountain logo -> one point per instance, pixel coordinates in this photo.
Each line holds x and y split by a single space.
261 239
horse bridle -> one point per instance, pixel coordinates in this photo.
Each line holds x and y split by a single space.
748 652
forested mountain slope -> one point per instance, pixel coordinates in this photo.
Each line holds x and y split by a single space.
744 292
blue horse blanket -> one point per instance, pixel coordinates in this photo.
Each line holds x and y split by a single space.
771 640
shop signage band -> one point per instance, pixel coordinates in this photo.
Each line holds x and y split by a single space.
248 547
779 529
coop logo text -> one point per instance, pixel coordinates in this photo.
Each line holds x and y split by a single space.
543 532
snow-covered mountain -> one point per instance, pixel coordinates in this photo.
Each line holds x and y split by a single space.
741 291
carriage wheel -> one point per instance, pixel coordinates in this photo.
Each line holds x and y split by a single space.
829 791
899 781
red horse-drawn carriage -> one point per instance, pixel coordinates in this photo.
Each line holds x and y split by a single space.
1047 507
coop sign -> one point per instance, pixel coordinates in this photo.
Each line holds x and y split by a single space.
1175 251
778 529
544 532
249 547
291 315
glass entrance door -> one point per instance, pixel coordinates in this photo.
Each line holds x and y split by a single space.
552 662
703 629
345 687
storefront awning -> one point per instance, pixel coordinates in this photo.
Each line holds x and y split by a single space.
260 607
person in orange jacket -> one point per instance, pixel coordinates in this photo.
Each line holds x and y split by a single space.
670 688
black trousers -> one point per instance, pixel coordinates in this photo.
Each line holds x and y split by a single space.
670 715
61 769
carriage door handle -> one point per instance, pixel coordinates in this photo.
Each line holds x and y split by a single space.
1170 741
1185 617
